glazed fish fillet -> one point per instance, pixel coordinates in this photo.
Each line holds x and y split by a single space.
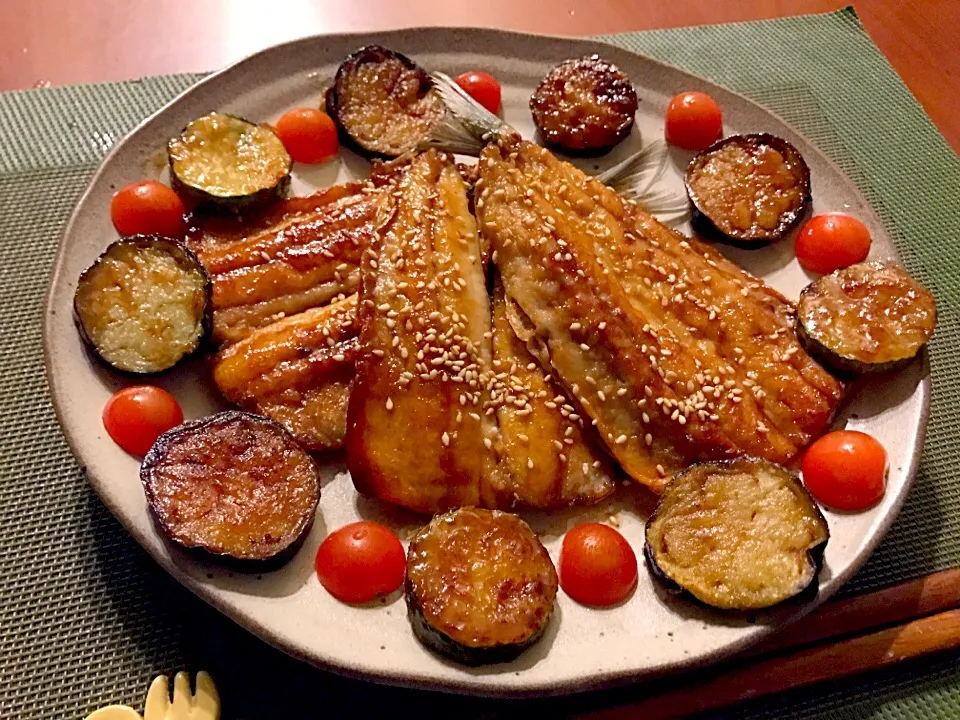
297 371
547 456
673 352
417 433
302 253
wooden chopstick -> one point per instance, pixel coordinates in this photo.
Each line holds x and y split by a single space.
923 617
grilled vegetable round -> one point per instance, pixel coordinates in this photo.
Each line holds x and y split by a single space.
228 161
145 304
383 102
480 586
584 105
739 534
748 189
234 485
869 317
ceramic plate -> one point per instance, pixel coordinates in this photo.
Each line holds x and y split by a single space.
651 633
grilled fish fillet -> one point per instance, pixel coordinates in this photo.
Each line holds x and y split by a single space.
546 457
300 254
416 427
297 371
675 353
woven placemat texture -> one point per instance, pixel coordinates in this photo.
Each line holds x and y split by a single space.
86 618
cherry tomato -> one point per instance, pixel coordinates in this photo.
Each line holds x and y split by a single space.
597 565
832 241
136 416
483 88
361 561
845 470
309 135
147 208
693 121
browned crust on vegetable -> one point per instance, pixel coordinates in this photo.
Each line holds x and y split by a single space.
480 586
778 188
676 353
774 559
232 484
186 259
395 91
869 317
584 105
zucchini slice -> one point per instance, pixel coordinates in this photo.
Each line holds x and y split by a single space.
234 485
145 304
869 317
748 189
480 587
739 534
383 102
229 162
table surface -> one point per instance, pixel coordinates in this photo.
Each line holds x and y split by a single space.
57 42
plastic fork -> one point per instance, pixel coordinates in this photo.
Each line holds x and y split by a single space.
204 704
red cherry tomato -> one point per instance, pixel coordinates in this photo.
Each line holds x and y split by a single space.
361 561
845 470
693 121
309 135
147 208
597 565
483 88
832 241
136 416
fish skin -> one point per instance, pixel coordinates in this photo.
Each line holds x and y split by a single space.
620 347
297 371
299 254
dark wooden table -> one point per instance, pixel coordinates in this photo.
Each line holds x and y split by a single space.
61 41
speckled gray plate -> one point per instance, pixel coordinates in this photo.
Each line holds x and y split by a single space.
649 634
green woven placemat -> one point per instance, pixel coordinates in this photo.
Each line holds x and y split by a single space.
86 618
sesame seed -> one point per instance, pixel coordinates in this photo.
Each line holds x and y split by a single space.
529 464
648 439
445 439
622 439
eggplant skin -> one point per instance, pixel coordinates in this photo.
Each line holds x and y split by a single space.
235 486
708 219
480 586
866 318
90 303
407 97
738 534
271 152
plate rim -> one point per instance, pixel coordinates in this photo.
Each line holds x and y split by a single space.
409 678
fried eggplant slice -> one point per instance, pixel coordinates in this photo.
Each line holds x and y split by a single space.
297 371
646 329
229 162
383 102
869 317
740 534
547 456
748 189
480 587
234 485
584 105
416 424
300 254
144 305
